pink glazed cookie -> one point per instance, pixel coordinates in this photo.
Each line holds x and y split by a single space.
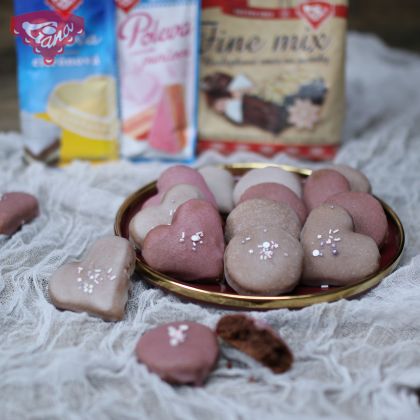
179 352
192 247
368 215
333 253
16 209
180 174
321 185
279 193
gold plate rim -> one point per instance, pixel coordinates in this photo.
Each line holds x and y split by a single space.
244 302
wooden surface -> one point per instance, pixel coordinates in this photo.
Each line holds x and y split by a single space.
397 22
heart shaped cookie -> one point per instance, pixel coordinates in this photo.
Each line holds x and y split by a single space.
333 253
221 183
180 174
279 193
192 247
263 261
148 218
367 213
261 213
268 174
321 185
16 209
99 283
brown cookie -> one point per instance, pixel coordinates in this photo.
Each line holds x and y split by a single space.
333 253
99 283
256 339
192 247
279 193
16 209
263 261
261 213
321 185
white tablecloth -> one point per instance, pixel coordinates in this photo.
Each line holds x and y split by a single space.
354 359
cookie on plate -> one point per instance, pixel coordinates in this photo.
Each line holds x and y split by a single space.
333 253
263 261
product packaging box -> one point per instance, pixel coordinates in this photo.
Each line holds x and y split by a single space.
68 108
272 76
158 43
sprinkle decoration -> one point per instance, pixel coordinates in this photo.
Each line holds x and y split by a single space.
196 240
327 241
92 278
177 335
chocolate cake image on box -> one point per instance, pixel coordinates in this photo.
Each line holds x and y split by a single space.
234 99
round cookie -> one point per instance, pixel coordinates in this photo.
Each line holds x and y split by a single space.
279 193
263 261
321 185
221 183
368 215
179 352
261 213
148 218
268 174
180 174
256 339
333 253
192 247
358 181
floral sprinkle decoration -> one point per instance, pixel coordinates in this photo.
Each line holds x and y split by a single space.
303 114
267 249
328 241
88 280
177 335
196 240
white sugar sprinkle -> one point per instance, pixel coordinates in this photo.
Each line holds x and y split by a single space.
79 269
251 251
109 270
79 279
337 239
97 270
316 253
319 236
113 277
286 254
324 286
336 230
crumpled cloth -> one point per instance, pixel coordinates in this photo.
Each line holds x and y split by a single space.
353 359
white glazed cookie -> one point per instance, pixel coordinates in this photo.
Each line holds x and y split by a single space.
148 218
269 174
221 183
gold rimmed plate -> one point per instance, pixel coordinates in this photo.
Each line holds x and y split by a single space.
223 295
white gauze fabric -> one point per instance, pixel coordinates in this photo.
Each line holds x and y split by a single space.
353 359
